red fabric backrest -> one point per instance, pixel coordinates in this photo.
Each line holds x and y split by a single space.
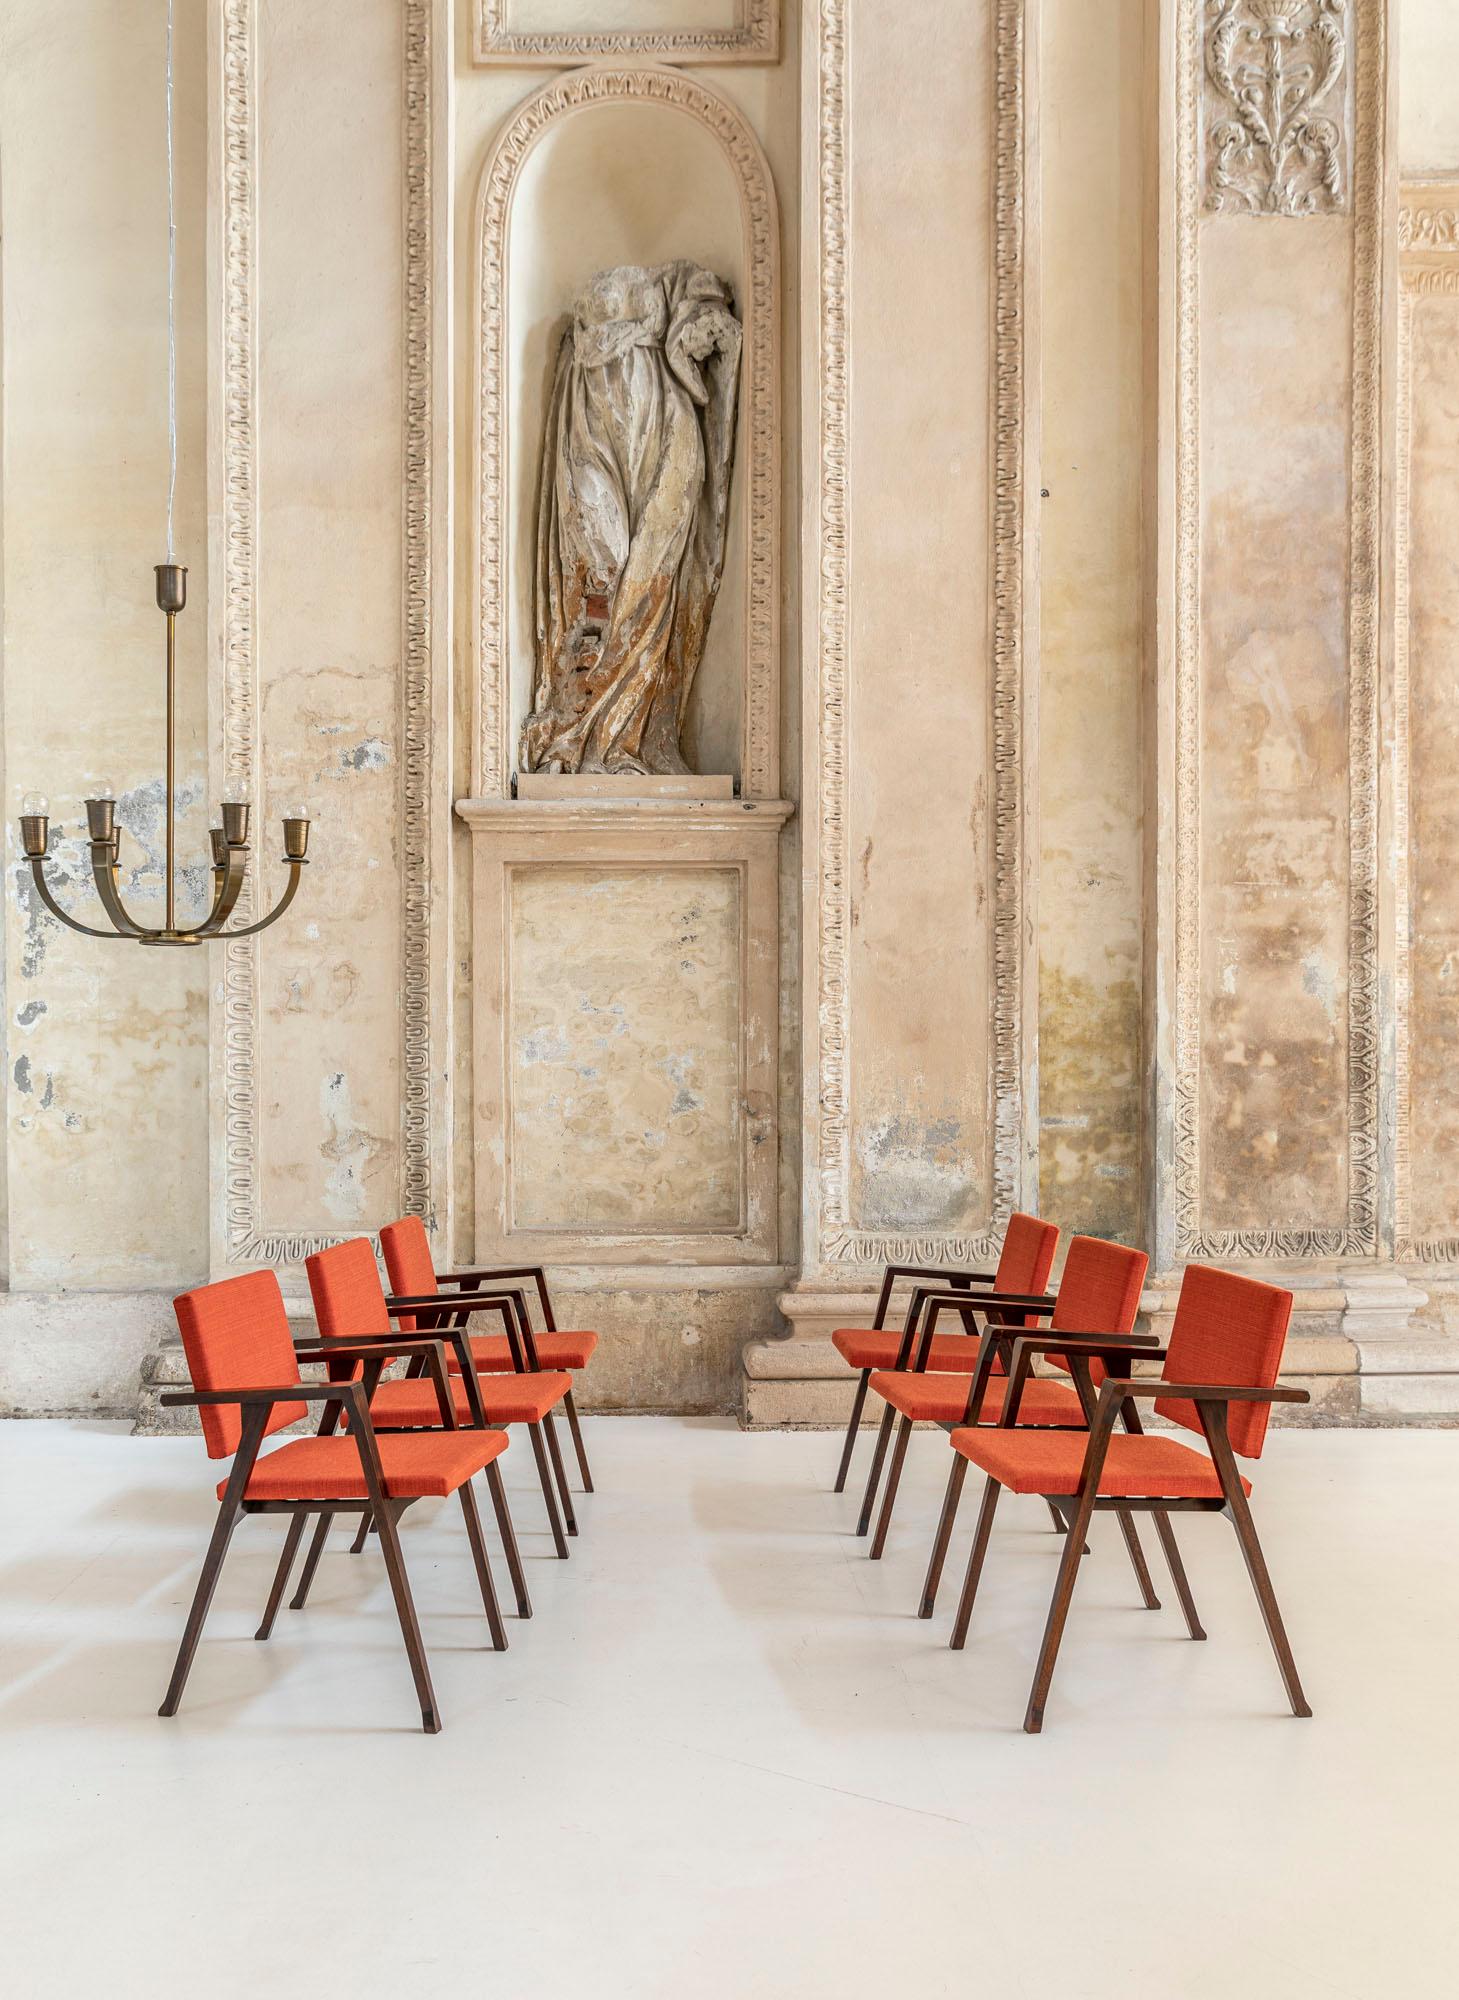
1098 1293
236 1336
1027 1259
1229 1330
408 1261
349 1300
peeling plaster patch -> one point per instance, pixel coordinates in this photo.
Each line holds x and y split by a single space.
681 1071
22 1075
691 1336
350 1149
30 1013
1319 980
914 1174
544 1045
373 754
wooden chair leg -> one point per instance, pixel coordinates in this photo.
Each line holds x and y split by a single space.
1165 1529
202 1597
311 1561
1056 1517
509 1539
944 1534
857 1406
1137 1558
483 1567
544 1474
296 1528
981 1535
873 1478
385 1519
571 1409
367 1521
555 1452
1261 1583
1033 1720
894 1480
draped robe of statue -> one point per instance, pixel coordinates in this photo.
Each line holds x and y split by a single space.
636 464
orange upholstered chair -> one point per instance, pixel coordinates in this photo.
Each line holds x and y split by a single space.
246 1385
1219 1380
1099 1292
415 1282
349 1301
1024 1264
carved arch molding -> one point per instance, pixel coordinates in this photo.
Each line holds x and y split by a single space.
572 96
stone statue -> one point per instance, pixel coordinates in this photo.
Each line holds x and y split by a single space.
636 465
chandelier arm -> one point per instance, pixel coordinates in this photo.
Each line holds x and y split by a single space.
296 870
103 870
37 870
229 889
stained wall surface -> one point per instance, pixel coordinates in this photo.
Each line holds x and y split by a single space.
1119 881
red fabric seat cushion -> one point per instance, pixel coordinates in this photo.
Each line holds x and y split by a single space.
865 1347
508 1399
493 1355
941 1399
1156 1468
329 1468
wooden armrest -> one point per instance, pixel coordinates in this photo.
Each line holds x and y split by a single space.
1034 1302
409 1302
290 1392
941 1271
1144 1346
498 1271
1199 1392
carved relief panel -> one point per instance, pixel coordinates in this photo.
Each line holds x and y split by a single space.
546 33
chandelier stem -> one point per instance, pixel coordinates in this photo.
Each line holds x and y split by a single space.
171 767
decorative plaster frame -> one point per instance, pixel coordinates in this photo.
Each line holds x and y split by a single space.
1428 267
1013 1078
657 837
240 1235
1358 1237
496 752
755 38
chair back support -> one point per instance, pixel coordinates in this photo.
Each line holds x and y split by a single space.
236 1336
1098 1293
1231 1331
408 1261
1026 1259
349 1300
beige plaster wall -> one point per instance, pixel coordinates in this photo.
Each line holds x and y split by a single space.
1428 63
1089 889
105 1046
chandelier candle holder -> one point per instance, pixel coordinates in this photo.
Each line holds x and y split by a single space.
230 840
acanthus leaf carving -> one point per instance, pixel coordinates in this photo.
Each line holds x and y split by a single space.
1275 106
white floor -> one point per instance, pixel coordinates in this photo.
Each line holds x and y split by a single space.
724 1758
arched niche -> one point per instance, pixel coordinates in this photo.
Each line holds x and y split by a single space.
612 166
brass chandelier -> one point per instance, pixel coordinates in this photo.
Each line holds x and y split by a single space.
230 840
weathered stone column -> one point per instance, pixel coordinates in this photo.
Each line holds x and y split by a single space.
918 446
1275 895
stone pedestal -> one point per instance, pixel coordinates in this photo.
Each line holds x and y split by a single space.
625 1010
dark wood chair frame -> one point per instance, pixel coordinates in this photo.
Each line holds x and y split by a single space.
993 1306
999 1341
450 1321
963 1280
472 1281
353 1398
1117 1396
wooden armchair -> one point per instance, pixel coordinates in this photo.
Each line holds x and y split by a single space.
245 1370
1219 1380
